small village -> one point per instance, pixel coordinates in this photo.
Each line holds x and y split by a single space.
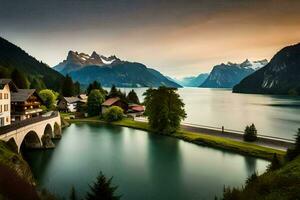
22 104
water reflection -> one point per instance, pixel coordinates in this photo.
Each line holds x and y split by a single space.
144 166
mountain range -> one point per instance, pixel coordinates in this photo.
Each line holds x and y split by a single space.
37 73
230 74
280 76
191 81
111 71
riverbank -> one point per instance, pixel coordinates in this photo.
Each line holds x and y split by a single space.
244 148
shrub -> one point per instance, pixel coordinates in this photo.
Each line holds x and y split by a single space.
114 113
250 134
48 97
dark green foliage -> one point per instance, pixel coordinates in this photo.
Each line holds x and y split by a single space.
275 163
114 113
19 79
250 134
95 99
68 87
102 189
76 88
95 85
73 195
13 57
4 72
164 109
251 178
281 184
132 97
295 151
114 92
36 83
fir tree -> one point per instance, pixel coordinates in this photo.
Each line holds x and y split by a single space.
68 87
73 195
132 97
102 189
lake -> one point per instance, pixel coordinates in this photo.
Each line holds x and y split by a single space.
272 115
143 165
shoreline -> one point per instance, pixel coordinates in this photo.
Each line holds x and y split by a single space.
243 148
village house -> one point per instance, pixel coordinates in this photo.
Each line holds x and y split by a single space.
70 104
6 87
130 109
135 110
25 104
115 101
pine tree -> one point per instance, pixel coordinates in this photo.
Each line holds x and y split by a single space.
76 88
96 85
68 87
295 151
73 195
275 163
102 189
19 79
113 92
132 97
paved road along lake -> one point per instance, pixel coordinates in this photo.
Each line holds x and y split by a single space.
273 115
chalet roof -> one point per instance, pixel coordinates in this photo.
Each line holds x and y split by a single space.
137 108
22 95
5 81
72 99
110 101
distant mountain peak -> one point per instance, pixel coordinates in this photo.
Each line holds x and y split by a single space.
110 70
230 74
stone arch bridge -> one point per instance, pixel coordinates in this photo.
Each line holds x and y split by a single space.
36 132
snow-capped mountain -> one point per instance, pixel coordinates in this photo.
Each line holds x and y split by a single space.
230 74
110 71
76 61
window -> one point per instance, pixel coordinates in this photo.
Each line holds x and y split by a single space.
0 108
7 119
6 107
0 95
5 96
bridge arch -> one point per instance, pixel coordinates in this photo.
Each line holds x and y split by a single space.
56 130
47 136
31 140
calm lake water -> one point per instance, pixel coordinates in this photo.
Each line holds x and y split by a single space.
144 166
272 115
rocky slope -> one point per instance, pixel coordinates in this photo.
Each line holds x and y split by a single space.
230 74
280 76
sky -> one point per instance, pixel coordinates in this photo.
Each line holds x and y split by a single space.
177 37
